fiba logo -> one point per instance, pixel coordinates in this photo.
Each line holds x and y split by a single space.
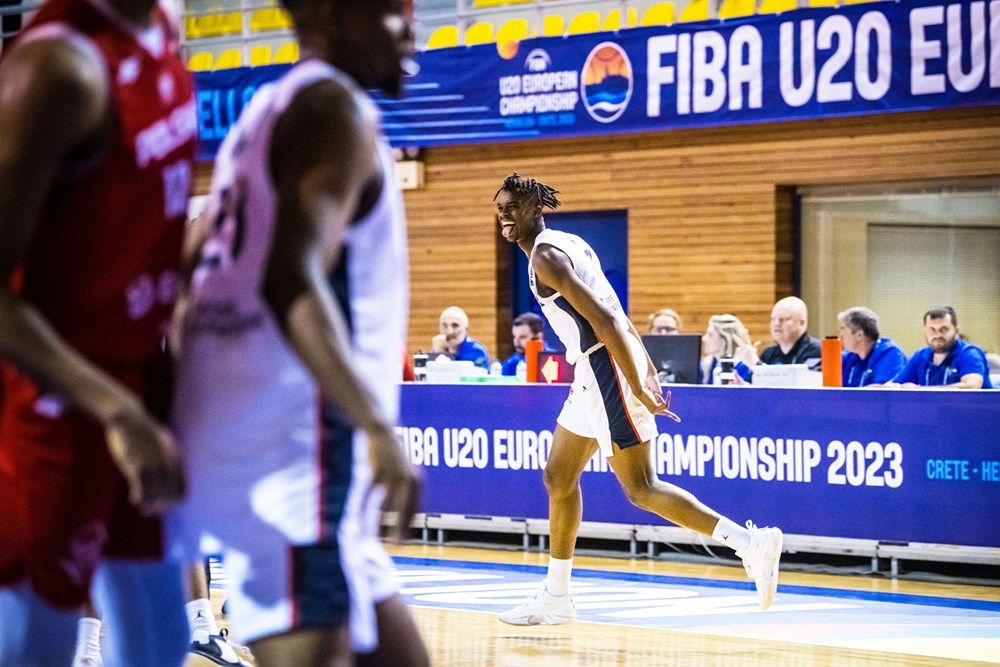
606 83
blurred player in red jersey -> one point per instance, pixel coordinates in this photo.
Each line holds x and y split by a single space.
98 123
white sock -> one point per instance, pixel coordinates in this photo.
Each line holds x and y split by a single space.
88 639
557 578
732 535
201 618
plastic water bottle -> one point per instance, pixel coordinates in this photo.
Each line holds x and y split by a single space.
522 371
727 370
420 366
496 368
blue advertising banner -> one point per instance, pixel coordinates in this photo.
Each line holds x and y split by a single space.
907 466
811 63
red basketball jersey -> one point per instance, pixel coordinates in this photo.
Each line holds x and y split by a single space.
103 265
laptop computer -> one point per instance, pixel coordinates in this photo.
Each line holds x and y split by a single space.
675 357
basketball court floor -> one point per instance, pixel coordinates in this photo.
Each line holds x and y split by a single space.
642 612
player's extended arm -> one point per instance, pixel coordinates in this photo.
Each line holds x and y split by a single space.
555 270
652 380
650 366
53 97
322 156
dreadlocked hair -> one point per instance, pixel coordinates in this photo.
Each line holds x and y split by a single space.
530 188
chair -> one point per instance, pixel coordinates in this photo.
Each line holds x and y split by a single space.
286 53
661 13
824 3
209 25
509 34
229 59
613 21
191 28
696 10
443 36
485 4
553 25
270 18
777 6
480 32
200 61
731 9
260 55
584 22
232 23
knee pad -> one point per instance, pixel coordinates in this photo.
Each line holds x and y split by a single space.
33 632
142 606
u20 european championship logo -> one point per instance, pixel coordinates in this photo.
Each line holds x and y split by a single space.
606 83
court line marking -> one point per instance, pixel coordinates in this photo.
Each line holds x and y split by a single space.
797 589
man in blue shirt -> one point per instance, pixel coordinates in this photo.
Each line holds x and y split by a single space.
867 358
526 326
453 339
947 360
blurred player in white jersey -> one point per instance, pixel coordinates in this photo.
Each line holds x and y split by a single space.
285 398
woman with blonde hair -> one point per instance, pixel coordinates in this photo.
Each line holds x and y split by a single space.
665 322
727 337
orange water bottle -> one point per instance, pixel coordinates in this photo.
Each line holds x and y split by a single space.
532 348
831 357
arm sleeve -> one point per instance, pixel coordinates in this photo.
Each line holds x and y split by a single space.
484 358
812 355
767 356
909 372
973 361
888 365
510 365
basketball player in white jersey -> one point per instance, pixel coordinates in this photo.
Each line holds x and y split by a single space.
303 189
611 407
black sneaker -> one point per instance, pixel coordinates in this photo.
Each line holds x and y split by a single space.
219 650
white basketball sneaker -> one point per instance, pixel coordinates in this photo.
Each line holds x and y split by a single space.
542 608
218 648
760 560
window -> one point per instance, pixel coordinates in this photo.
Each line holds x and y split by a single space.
901 251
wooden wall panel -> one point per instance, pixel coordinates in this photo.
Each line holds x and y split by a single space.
710 210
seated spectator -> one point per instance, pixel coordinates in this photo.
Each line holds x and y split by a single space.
453 340
665 322
726 336
792 342
867 358
526 326
946 361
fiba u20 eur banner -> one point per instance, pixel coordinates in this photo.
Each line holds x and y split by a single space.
891 465
811 63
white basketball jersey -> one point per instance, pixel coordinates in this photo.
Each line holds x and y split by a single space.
573 329
237 371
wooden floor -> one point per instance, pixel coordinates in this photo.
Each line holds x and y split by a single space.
457 637
863 634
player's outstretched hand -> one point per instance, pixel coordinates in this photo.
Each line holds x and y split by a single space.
392 470
656 402
149 459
